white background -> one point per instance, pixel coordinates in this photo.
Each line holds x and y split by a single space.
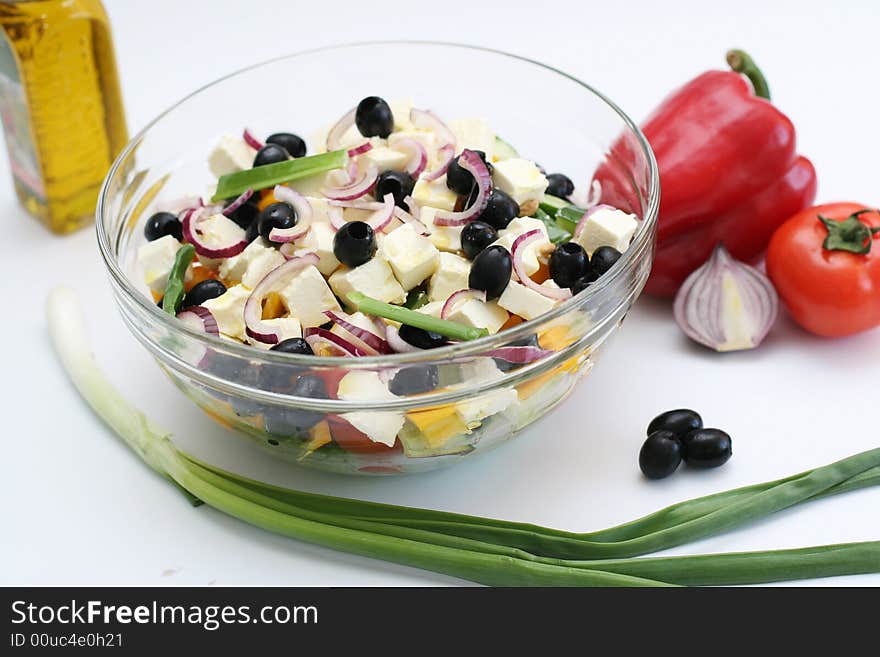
78 509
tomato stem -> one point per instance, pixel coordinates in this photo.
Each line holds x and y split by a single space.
851 234
741 62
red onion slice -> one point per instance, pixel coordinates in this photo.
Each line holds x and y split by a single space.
472 163
357 204
251 141
255 327
317 335
589 213
416 156
199 318
407 218
445 154
237 203
370 339
360 150
519 354
516 251
427 120
457 297
362 184
414 208
397 343
301 207
380 219
337 132
337 221
191 218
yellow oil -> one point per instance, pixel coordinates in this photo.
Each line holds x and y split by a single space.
61 106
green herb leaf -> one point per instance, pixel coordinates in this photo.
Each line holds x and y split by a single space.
174 290
269 175
403 315
555 233
416 298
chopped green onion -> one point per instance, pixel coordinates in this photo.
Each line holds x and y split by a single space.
174 290
403 315
269 175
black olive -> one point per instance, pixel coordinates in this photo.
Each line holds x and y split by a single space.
270 154
286 421
276 215
475 237
490 271
414 380
603 258
373 117
706 448
420 337
293 346
459 179
354 243
584 282
660 456
201 292
162 224
293 144
252 232
560 185
500 210
679 421
245 214
396 183
568 264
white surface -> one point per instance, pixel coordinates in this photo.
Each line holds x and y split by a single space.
78 509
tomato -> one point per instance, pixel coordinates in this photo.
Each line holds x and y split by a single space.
825 264
354 441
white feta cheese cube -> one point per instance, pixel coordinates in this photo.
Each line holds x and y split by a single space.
385 159
607 227
516 228
228 311
156 259
522 301
424 137
412 256
288 327
432 308
319 240
522 179
379 426
261 266
451 276
474 134
307 297
434 193
232 269
473 312
320 209
231 154
445 238
359 319
374 278
309 186
218 230
473 411
400 109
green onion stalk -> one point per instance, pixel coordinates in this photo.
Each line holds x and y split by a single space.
483 550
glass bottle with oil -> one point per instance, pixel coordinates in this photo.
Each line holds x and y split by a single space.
60 105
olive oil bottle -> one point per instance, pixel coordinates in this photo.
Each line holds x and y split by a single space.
60 105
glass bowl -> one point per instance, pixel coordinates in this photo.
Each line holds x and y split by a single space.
547 115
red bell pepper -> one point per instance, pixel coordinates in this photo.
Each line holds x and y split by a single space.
728 171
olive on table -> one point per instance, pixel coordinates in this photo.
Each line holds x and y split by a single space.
373 117
660 455
397 183
293 144
293 346
490 271
414 380
559 185
568 264
679 421
276 215
603 259
421 338
354 243
270 154
500 209
459 179
584 282
162 224
475 237
200 292
706 448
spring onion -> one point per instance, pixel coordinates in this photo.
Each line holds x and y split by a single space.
233 184
481 549
403 315
174 290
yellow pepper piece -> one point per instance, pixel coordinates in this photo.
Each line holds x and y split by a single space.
319 435
438 424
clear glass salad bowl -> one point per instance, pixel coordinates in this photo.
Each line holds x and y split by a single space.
547 115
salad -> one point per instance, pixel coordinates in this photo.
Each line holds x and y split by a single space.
399 232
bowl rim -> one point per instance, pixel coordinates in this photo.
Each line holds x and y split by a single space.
473 347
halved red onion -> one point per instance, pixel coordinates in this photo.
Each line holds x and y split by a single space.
397 343
445 155
371 340
516 252
301 207
519 354
459 297
251 141
407 218
199 318
416 156
360 150
337 221
589 213
237 203
337 132
427 120
316 335
362 184
473 164
190 219
255 327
